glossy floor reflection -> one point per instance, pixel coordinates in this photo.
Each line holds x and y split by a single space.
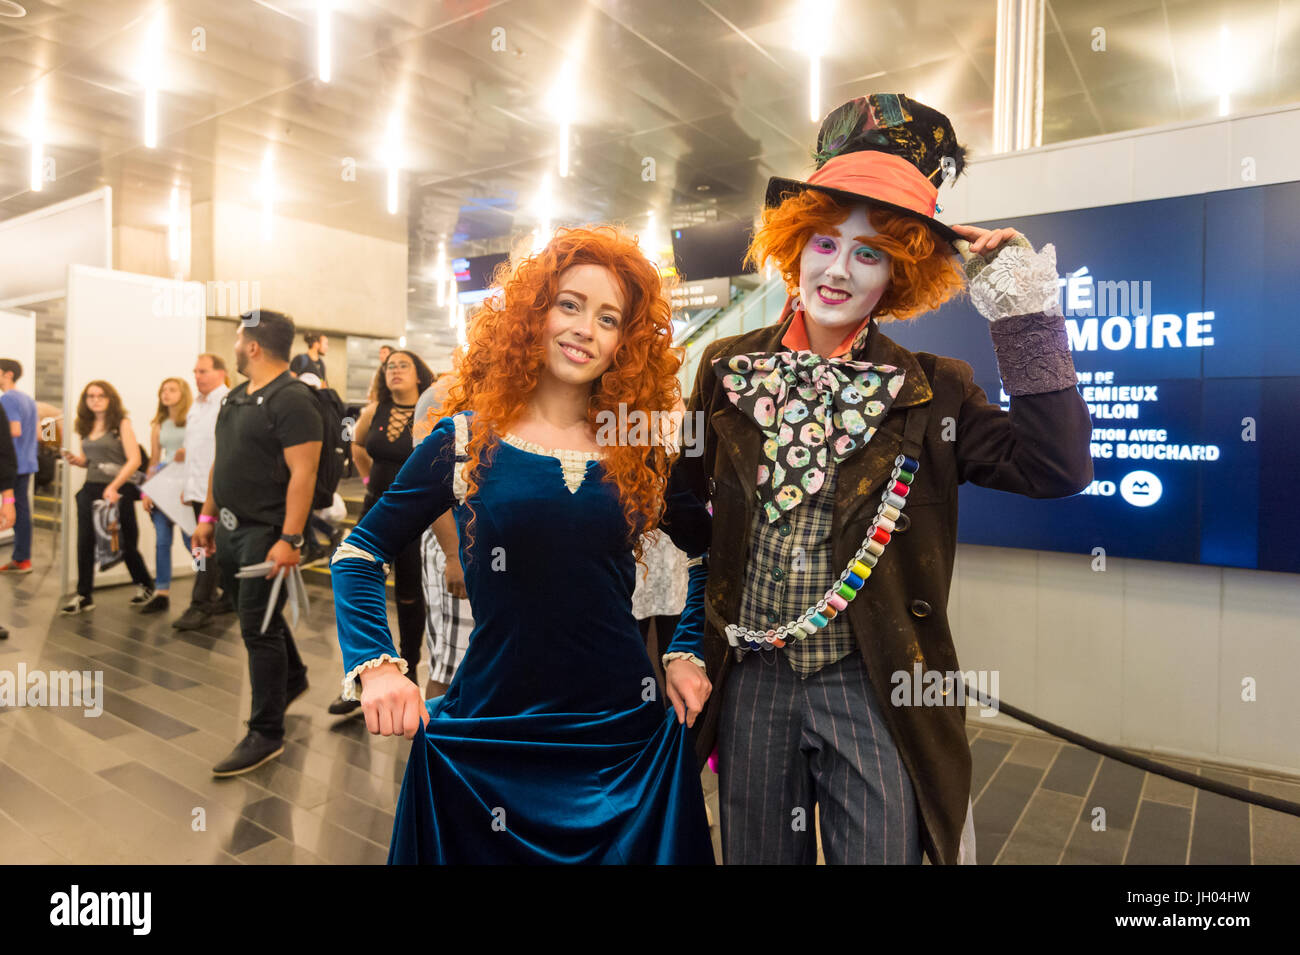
134 785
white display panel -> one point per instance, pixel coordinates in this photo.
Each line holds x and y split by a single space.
37 248
131 331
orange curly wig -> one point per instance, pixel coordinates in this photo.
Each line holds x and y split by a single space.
498 370
922 275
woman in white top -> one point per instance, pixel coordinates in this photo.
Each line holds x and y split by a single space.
166 445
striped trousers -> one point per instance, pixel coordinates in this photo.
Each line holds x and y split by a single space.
787 744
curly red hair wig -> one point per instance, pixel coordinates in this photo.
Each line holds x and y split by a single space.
922 275
497 372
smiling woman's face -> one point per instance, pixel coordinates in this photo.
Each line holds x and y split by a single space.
841 274
584 325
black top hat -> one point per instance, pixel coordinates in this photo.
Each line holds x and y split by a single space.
886 149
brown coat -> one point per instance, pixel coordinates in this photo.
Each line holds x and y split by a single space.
1040 448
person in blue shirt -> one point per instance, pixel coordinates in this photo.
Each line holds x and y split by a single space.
21 409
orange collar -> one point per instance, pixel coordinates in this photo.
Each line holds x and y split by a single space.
796 336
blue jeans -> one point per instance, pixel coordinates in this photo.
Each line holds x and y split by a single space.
23 518
162 526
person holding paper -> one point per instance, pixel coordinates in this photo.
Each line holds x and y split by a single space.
166 445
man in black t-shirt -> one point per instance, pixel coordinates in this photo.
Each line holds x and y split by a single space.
269 437
313 359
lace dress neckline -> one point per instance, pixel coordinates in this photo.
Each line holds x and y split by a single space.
573 463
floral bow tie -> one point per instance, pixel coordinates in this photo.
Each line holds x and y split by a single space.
806 405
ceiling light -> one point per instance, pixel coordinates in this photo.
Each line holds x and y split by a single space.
392 155
1226 70
37 135
439 267
10 9
152 73
267 189
812 17
173 224
560 104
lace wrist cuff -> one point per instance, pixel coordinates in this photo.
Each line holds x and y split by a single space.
352 682
1033 354
679 655
1016 281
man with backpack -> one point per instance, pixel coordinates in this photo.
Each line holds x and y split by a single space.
269 439
334 453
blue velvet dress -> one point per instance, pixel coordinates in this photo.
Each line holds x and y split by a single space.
551 744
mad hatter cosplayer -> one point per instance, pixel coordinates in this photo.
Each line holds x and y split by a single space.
832 458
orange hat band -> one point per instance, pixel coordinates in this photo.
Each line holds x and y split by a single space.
878 175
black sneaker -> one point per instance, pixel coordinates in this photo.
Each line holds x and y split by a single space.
4 634
76 605
254 750
342 707
296 690
192 619
156 604
143 595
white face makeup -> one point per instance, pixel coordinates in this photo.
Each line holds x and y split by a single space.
584 324
841 274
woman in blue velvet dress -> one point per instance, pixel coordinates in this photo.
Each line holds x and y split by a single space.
551 744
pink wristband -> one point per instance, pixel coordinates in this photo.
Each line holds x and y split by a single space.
365 480
9 500
207 519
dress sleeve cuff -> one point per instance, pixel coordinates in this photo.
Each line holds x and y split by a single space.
679 655
346 550
1033 353
352 681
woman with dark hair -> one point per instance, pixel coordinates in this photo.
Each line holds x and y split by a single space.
111 456
381 443
552 743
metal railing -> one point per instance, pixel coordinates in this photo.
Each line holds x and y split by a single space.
757 308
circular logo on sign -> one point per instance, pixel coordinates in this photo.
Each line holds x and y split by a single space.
228 520
1140 488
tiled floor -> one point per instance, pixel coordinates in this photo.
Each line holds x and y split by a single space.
134 785
1041 801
